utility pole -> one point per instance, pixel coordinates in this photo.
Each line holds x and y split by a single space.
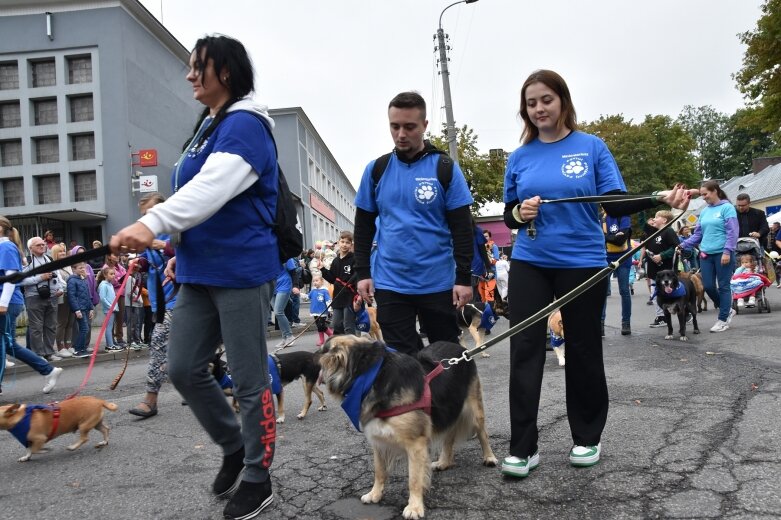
443 59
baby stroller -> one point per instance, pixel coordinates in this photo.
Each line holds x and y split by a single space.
745 285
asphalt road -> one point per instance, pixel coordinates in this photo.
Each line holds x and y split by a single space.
693 432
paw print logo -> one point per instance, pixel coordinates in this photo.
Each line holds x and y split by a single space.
574 168
425 193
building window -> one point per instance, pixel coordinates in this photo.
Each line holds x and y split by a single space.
9 76
81 108
80 69
13 192
10 115
47 150
48 189
44 73
45 111
84 186
11 152
82 147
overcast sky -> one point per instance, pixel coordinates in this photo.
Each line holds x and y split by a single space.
343 60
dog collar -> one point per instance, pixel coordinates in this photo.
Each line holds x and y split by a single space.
274 369
351 404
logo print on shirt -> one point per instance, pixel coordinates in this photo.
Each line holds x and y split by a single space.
425 192
574 168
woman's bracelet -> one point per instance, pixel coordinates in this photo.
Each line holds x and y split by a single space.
517 214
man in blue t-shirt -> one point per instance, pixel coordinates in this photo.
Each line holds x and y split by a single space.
429 223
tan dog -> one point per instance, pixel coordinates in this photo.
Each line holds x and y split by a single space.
696 279
556 328
35 425
374 331
393 412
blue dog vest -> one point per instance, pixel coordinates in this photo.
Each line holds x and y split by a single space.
22 428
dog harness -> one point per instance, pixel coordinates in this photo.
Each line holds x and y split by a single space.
22 428
424 403
487 317
555 339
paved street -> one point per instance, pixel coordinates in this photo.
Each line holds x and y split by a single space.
693 432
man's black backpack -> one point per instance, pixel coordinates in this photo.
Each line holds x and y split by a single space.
286 225
444 168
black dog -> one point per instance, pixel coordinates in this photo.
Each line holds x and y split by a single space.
676 296
295 365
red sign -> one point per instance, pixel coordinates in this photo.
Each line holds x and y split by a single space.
322 208
147 157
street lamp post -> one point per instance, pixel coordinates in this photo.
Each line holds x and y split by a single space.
451 124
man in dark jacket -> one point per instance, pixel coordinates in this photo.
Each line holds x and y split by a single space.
752 222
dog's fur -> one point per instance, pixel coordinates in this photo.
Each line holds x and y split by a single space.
469 317
556 324
374 326
666 281
696 279
456 408
295 365
80 414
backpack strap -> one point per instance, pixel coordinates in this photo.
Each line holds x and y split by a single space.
444 169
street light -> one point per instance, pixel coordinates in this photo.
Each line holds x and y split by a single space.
451 124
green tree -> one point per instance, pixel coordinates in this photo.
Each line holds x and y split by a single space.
745 141
709 129
760 77
484 172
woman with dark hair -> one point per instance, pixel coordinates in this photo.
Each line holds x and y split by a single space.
223 182
716 233
558 247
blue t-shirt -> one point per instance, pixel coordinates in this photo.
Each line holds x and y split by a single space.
318 301
414 246
207 252
11 261
284 281
713 222
569 235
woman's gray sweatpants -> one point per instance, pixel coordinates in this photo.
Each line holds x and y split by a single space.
204 315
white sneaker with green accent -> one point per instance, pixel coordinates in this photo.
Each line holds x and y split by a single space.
518 467
582 456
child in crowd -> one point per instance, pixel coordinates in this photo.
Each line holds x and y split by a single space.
135 308
341 274
80 303
319 299
748 265
107 294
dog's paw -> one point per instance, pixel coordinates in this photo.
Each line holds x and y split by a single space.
413 512
440 465
562 362
301 415
281 419
490 461
669 336
696 331
684 338
485 354
101 444
322 408
371 497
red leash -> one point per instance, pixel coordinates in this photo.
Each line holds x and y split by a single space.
95 349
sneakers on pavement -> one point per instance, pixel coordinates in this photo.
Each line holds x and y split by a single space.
51 380
82 354
626 329
9 364
752 301
720 326
249 500
135 346
54 357
741 303
64 353
732 313
658 322
583 456
285 342
520 467
114 348
227 478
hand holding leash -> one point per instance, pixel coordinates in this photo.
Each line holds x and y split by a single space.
366 290
462 294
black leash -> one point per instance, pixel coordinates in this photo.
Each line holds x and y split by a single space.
585 286
56 264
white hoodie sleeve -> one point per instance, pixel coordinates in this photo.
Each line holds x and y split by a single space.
222 177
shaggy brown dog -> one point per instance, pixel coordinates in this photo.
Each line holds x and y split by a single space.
699 290
456 408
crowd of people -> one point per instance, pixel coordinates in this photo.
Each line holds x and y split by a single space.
227 175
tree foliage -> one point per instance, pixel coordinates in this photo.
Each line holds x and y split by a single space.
745 141
484 172
652 155
760 77
708 128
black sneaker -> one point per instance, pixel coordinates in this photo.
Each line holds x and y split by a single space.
658 322
626 330
249 500
227 478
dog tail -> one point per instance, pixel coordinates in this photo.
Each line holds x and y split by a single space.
110 406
